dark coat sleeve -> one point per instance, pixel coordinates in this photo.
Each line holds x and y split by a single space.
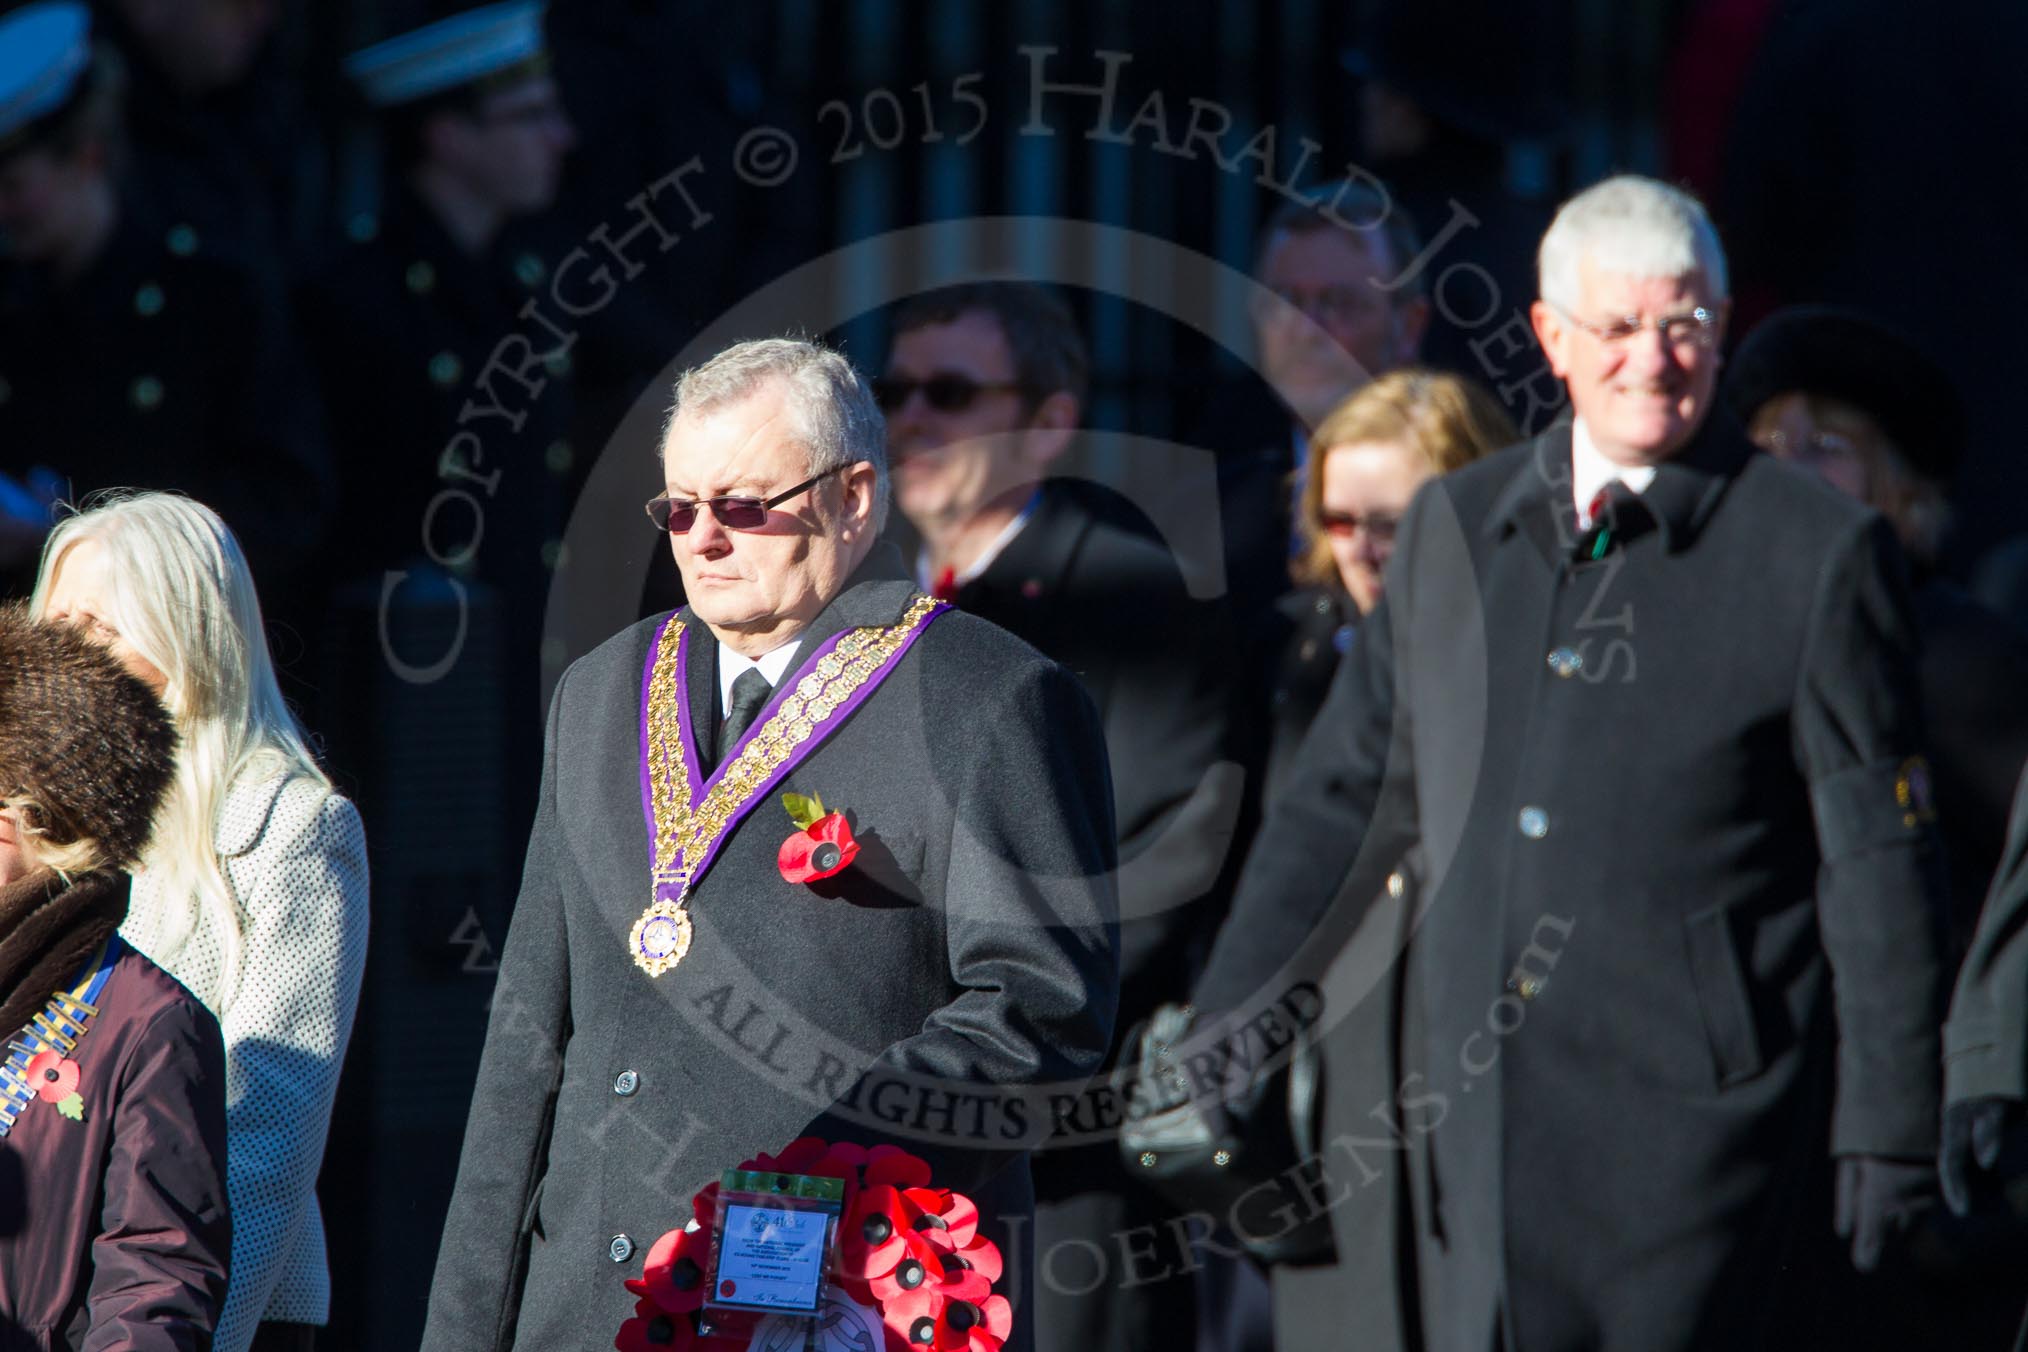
476 1295
162 1256
1177 799
1986 1039
1032 916
1880 888
1334 833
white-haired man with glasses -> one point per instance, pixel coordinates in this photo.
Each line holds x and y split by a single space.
1647 700
814 855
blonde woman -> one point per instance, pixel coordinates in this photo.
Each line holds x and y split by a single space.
253 892
1368 457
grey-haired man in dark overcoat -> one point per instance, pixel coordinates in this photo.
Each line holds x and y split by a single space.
1646 700
938 985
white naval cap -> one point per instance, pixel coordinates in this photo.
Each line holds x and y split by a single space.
465 47
45 50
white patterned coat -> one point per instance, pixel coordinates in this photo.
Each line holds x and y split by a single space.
295 855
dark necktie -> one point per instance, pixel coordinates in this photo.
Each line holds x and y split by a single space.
1613 509
749 694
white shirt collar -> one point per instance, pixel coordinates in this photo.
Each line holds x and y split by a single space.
1590 471
732 665
994 548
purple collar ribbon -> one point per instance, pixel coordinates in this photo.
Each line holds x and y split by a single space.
690 815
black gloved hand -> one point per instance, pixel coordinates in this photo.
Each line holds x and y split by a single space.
1972 1131
1878 1198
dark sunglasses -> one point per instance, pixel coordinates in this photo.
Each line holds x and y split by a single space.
678 515
944 392
1379 529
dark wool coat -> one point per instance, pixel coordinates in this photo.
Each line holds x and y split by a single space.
973 943
1370 1284
400 328
1111 607
1684 937
1975 712
114 1231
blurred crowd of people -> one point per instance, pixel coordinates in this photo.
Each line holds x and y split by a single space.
387 422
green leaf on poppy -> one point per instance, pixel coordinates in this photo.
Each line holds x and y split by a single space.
804 812
71 1106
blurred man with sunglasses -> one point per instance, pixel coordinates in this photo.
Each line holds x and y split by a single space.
944 944
983 393
1647 700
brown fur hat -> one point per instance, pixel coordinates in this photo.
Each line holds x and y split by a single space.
87 744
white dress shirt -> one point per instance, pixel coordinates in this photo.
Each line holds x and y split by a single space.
993 550
1590 471
732 665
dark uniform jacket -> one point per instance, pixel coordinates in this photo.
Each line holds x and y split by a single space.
1665 797
973 943
114 1231
168 364
449 414
402 326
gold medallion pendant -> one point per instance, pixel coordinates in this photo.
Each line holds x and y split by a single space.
660 937
687 827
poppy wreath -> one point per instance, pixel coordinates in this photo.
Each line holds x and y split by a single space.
907 1250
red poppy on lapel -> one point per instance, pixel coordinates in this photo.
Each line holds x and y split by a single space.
54 1078
823 844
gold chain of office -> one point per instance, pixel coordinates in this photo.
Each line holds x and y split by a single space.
684 833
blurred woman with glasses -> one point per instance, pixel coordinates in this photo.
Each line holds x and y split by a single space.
253 892
1369 455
